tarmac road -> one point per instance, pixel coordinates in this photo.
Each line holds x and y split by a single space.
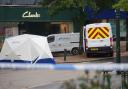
49 86
28 79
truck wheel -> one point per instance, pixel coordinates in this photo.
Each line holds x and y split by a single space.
75 51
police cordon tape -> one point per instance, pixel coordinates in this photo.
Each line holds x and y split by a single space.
85 67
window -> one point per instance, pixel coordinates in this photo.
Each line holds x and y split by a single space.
122 27
51 39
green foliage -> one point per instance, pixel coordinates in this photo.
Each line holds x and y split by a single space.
45 2
122 4
103 4
99 81
56 6
84 83
83 86
75 6
69 85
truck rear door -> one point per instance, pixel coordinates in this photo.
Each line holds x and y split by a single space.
98 36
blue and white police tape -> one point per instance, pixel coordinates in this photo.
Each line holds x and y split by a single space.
85 67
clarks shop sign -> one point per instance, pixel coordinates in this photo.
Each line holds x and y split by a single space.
29 14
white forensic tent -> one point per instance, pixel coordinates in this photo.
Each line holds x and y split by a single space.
26 48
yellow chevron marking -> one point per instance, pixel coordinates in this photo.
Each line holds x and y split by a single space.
100 32
94 34
91 31
105 30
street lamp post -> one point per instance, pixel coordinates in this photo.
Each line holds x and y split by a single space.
117 36
126 34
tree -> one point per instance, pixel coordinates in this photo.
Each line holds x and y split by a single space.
55 6
45 2
122 4
76 7
104 4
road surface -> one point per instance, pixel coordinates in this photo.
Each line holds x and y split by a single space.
28 79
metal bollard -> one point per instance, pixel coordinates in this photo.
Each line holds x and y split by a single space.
65 54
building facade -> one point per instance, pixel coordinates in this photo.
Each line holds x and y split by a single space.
15 20
30 19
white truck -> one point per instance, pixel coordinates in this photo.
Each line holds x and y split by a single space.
68 41
98 39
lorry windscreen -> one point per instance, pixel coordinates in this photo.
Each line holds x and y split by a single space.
98 32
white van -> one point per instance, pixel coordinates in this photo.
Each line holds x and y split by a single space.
97 38
68 41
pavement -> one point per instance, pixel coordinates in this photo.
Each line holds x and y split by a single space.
82 58
30 79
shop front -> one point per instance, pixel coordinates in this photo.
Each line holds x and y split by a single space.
33 20
36 20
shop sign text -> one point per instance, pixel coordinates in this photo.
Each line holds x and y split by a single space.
29 14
